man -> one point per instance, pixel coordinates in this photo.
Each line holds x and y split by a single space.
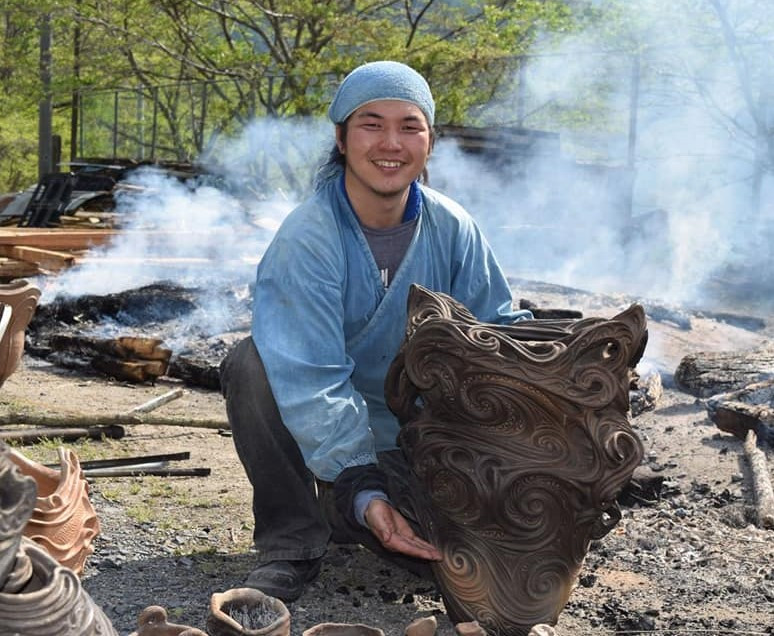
305 393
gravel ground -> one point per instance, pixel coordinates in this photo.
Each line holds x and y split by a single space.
690 562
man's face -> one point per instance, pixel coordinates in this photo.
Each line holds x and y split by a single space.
386 147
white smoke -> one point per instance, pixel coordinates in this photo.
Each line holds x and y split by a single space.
560 215
694 230
207 230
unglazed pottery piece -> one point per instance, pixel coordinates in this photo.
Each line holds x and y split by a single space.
519 441
22 297
52 602
425 626
38 597
343 629
64 521
247 611
153 622
17 501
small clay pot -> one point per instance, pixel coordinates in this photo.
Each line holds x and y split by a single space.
343 629
64 521
153 622
249 612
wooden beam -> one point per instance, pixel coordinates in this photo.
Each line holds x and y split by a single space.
46 259
11 268
55 239
764 494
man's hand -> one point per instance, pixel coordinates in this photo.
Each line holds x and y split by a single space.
395 533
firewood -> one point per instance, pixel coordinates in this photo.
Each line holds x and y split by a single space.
34 435
704 374
84 420
764 495
150 405
52 260
750 408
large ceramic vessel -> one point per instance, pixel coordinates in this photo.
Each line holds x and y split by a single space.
519 441
38 597
22 298
64 521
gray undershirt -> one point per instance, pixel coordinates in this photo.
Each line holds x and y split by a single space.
389 247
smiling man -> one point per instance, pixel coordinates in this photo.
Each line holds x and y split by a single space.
305 392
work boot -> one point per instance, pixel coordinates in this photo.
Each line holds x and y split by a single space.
285 580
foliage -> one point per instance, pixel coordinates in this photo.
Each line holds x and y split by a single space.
199 69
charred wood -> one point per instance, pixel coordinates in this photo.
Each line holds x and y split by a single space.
548 313
749 409
664 313
764 495
195 370
705 374
125 358
645 391
751 323
34 435
143 305
645 488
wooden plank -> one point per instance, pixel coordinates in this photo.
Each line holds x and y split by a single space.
55 239
86 238
46 259
11 268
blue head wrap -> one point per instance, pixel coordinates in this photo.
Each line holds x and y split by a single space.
381 80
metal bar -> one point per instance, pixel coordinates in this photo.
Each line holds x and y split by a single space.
65 434
132 461
158 472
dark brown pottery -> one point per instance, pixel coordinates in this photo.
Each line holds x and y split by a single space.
519 441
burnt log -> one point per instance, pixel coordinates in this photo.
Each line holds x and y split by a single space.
764 494
704 374
126 358
196 371
549 312
748 409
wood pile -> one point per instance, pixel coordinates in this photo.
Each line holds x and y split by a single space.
33 251
26 252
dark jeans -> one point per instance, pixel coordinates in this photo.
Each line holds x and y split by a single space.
295 514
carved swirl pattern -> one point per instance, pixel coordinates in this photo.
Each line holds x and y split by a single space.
17 501
519 442
55 603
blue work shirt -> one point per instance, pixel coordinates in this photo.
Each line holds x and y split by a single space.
327 329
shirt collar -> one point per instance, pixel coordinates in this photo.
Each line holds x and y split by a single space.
413 203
